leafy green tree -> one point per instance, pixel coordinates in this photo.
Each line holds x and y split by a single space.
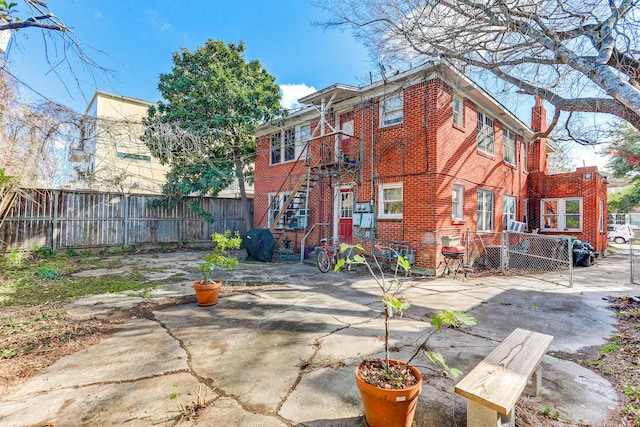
625 163
215 99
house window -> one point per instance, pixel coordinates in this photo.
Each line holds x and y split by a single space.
289 144
601 216
457 202
132 156
525 208
458 111
276 203
347 129
391 110
485 133
509 147
485 210
561 214
276 148
301 143
525 156
508 210
390 206
283 146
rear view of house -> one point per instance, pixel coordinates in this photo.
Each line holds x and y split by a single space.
413 158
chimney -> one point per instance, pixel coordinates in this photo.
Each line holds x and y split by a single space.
538 149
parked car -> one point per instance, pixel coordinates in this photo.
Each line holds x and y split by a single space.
620 233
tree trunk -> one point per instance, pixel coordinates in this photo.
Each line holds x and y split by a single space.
246 208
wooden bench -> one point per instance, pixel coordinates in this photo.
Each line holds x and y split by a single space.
493 386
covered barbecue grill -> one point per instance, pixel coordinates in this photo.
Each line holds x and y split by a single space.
453 258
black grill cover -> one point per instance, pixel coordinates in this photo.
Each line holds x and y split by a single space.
259 244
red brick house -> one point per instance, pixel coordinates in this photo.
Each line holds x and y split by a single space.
416 156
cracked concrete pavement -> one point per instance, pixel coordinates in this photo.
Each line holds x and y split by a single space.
285 356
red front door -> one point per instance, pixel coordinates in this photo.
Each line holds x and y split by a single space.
345 229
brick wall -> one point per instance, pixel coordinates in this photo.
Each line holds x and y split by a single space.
428 154
585 183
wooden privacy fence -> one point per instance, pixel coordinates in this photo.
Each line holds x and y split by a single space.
61 219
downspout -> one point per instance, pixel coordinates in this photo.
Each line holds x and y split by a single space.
371 153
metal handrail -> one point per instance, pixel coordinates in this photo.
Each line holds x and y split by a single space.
304 239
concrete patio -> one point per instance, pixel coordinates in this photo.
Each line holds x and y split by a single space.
285 356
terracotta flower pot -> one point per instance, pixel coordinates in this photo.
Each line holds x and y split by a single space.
389 407
207 293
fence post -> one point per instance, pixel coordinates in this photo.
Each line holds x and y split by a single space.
570 255
182 227
54 222
125 226
503 253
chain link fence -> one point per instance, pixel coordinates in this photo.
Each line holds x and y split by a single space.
547 257
634 251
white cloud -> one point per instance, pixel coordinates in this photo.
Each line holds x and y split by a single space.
292 92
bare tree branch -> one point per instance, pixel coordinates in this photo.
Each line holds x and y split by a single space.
579 55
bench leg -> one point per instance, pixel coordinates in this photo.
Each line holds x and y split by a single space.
480 416
536 381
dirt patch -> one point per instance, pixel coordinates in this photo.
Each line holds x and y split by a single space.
33 338
394 377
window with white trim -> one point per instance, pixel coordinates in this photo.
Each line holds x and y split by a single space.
458 111
602 216
457 202
347 129
508 210
561 214
485 210
525 156
525 209
276 202
391 110
509 147
485 136
283 146
390 201
301 143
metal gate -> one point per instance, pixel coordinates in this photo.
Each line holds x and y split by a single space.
634 255
547 257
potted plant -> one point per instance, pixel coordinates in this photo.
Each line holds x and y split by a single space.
208 289
390 388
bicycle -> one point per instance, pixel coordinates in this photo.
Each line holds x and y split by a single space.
328 256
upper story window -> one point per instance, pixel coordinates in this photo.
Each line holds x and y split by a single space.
283 146
390 197
457 202
391 110
301 143
485 134
509 147
458 111
525 156
561 214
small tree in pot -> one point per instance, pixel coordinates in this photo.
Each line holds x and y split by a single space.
208 289
390 388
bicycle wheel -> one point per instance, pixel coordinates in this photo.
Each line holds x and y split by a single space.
323 262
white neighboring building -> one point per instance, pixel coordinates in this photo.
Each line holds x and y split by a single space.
112 157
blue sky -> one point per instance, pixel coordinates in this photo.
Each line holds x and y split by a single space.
136 39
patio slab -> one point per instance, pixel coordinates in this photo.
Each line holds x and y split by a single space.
285 356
